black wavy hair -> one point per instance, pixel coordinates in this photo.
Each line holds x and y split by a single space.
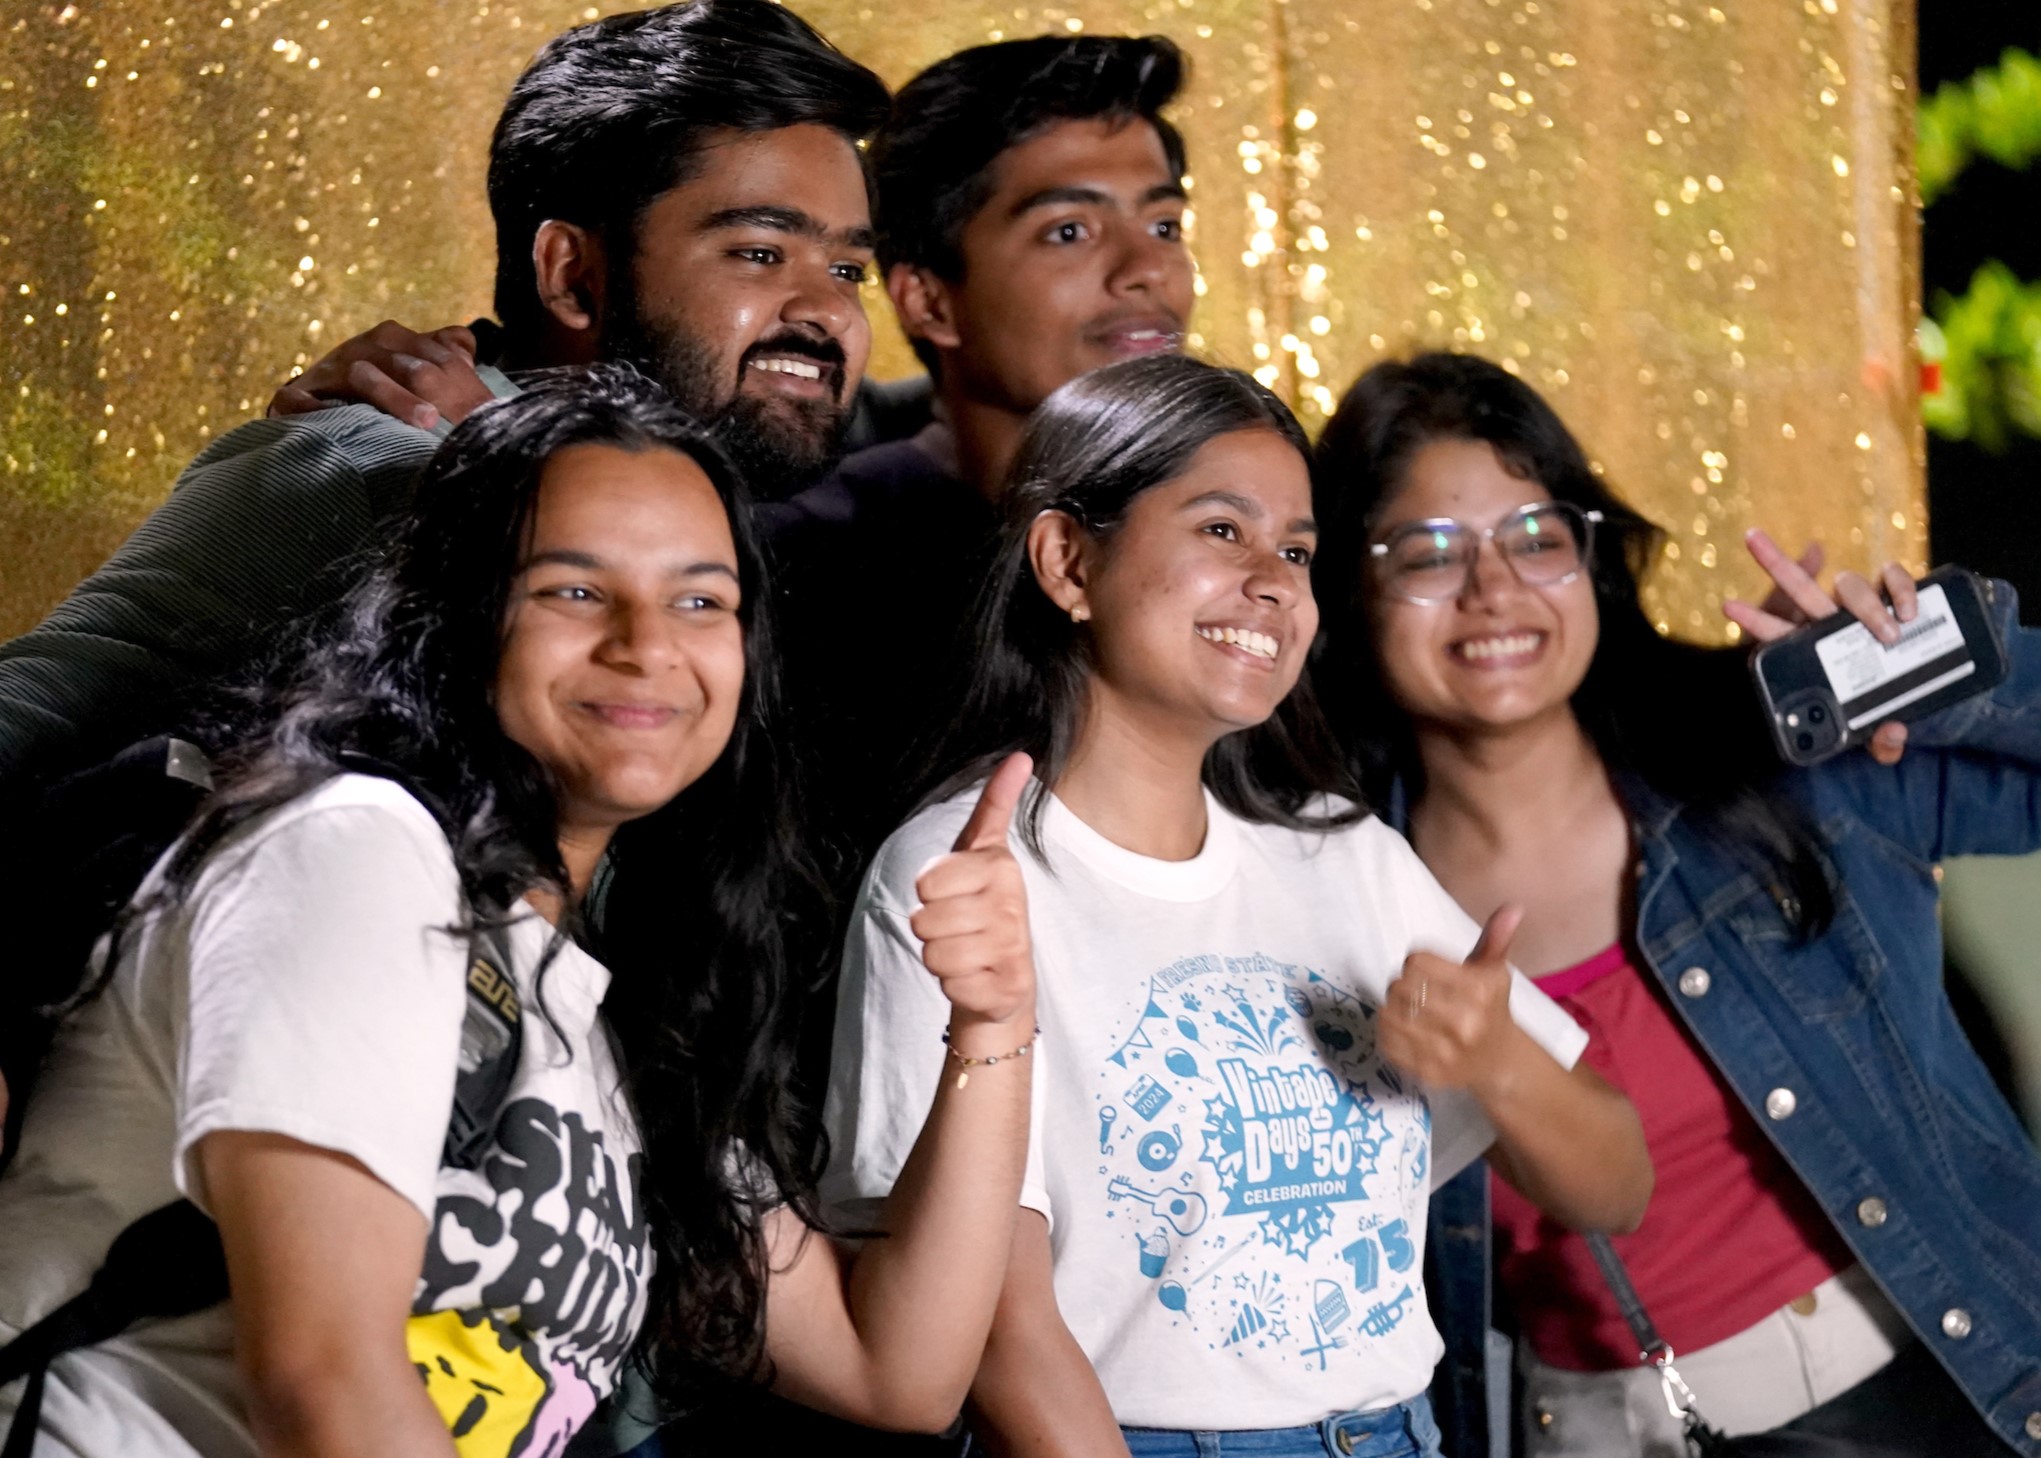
932 160
1088 451
1713 755
711 918
612 114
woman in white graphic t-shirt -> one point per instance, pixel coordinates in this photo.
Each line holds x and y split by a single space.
1266 1032
561 681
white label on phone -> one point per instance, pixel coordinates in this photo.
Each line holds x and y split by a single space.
1872 681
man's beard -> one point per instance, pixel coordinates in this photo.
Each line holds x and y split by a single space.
781 446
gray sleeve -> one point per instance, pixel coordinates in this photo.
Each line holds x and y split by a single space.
267 524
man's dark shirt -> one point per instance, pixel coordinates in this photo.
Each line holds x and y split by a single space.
878 569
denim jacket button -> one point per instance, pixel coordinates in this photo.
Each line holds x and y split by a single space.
1956 1323
1780 1104
2034 1426
1694 982
1871 1212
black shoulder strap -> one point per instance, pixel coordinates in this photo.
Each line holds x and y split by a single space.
1650 1345
1703 1440
492 1032
76 850
170 1263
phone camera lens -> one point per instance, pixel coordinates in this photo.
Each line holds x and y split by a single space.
1817 715
1804 740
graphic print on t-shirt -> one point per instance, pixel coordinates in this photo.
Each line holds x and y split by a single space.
1263 1161
533 1287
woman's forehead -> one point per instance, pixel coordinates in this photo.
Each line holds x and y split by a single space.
1456 477
1256 465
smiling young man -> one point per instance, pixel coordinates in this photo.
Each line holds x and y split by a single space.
1030 210
678 187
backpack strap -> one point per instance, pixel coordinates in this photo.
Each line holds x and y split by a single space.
492 1033
76 850
168 1263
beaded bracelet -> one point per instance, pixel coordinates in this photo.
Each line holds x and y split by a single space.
964 1074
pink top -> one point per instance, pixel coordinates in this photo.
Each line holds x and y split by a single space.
1730 1234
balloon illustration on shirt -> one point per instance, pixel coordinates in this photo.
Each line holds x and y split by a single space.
1269 1223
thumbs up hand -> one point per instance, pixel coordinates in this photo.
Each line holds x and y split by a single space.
1448 1023
973 921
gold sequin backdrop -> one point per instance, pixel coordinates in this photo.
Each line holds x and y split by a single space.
1689 223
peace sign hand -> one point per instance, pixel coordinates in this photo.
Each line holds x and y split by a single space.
1797 600
973 923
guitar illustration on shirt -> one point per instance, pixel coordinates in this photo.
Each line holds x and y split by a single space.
1183 1211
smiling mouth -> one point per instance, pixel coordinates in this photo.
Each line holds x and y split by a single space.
1247 640
1133 338
1499 649
631 716
800 369
794 373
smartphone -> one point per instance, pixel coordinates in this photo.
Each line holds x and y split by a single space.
1829 685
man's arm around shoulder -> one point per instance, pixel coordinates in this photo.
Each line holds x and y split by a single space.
265 525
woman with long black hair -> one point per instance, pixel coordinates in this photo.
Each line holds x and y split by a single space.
1267 1031
515 844
1841 1195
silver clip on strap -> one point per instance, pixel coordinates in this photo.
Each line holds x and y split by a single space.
1679 1398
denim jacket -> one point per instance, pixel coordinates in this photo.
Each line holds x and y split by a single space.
1844 1049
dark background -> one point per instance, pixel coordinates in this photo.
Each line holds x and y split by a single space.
1984 511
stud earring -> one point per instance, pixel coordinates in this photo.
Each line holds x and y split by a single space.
1080 614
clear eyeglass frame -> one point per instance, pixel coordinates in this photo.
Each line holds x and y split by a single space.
1580 523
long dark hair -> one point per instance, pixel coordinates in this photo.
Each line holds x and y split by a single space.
710 913
1712 755
1088 451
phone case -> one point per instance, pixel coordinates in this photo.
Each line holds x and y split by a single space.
1828 686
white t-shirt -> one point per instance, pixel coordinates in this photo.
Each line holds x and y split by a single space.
1235 1183
309 988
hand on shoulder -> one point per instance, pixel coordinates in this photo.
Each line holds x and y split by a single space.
417 378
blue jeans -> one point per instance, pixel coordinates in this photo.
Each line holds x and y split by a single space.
1405 1431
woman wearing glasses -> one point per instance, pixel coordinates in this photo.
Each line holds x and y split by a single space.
1840 1194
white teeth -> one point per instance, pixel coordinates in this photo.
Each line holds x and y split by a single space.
797 367
1259 644
1501 647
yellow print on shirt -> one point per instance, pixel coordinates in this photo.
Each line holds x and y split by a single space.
484 1379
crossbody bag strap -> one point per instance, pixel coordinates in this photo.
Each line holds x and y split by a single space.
1652 1347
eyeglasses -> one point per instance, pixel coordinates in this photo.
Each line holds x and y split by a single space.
1545 543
